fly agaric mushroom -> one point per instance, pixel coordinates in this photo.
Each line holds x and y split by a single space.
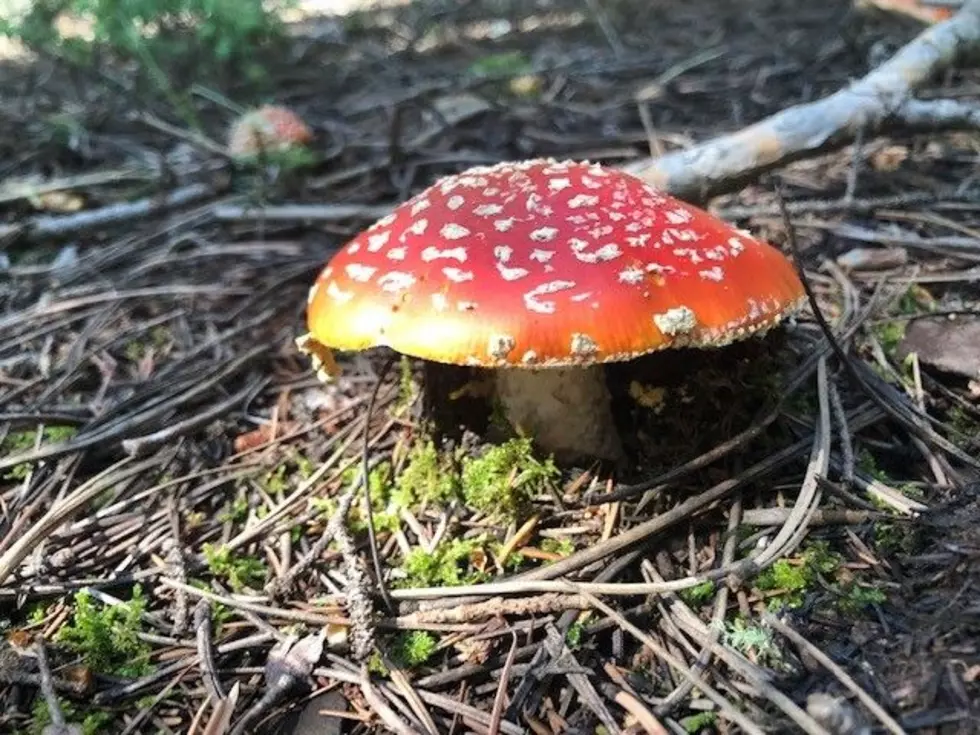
545 270
268 129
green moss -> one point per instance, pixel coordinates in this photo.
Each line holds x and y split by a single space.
427 478
106 636
240 572
237 512
574 635
501 481
754 641
699 722
23 441
384 510
501 64
859 596
890 334
896 537
449 565
699 594
562 546
413 648
376 665
92 723
792 580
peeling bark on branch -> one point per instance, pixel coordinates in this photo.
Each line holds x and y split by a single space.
877 102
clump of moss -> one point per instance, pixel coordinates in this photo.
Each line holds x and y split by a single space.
755 641
240 572
413 648
857 597
792 580
427 478
107 636
452 563
699 594
560 546
501 481
22 441
92 723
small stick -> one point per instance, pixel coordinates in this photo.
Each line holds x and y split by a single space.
50 697
205 650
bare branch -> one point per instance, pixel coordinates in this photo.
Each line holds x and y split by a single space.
878 101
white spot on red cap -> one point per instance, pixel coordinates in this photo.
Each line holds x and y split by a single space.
433 253
378 241
503 252
583 200
541 256
583 345
558 184
419 226
544 234
735 246
533 301
421 204
679 320
715 274
487 210
590 183
439 302
359 272
453 231
500 345
605 253
353 248
580 297
457 275
678 216
511 274
530 357
455 202
396 281
397 253
502 225
632 275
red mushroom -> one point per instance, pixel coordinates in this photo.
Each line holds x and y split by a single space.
546 270
268 129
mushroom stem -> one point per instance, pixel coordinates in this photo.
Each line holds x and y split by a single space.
566 411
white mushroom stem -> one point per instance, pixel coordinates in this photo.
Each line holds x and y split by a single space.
566 411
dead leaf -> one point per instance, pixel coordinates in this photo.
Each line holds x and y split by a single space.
950 344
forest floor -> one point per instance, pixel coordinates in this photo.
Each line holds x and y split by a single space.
169 463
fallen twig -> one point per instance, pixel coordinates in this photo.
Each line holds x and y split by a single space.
879 100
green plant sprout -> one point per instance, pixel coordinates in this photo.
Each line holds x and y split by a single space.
107 636
240 572
792 580
449 565
413 648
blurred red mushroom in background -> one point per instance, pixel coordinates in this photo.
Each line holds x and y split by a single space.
267 130
543 271
923 10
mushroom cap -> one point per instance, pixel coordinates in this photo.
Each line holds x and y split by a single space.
268 128
544 263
